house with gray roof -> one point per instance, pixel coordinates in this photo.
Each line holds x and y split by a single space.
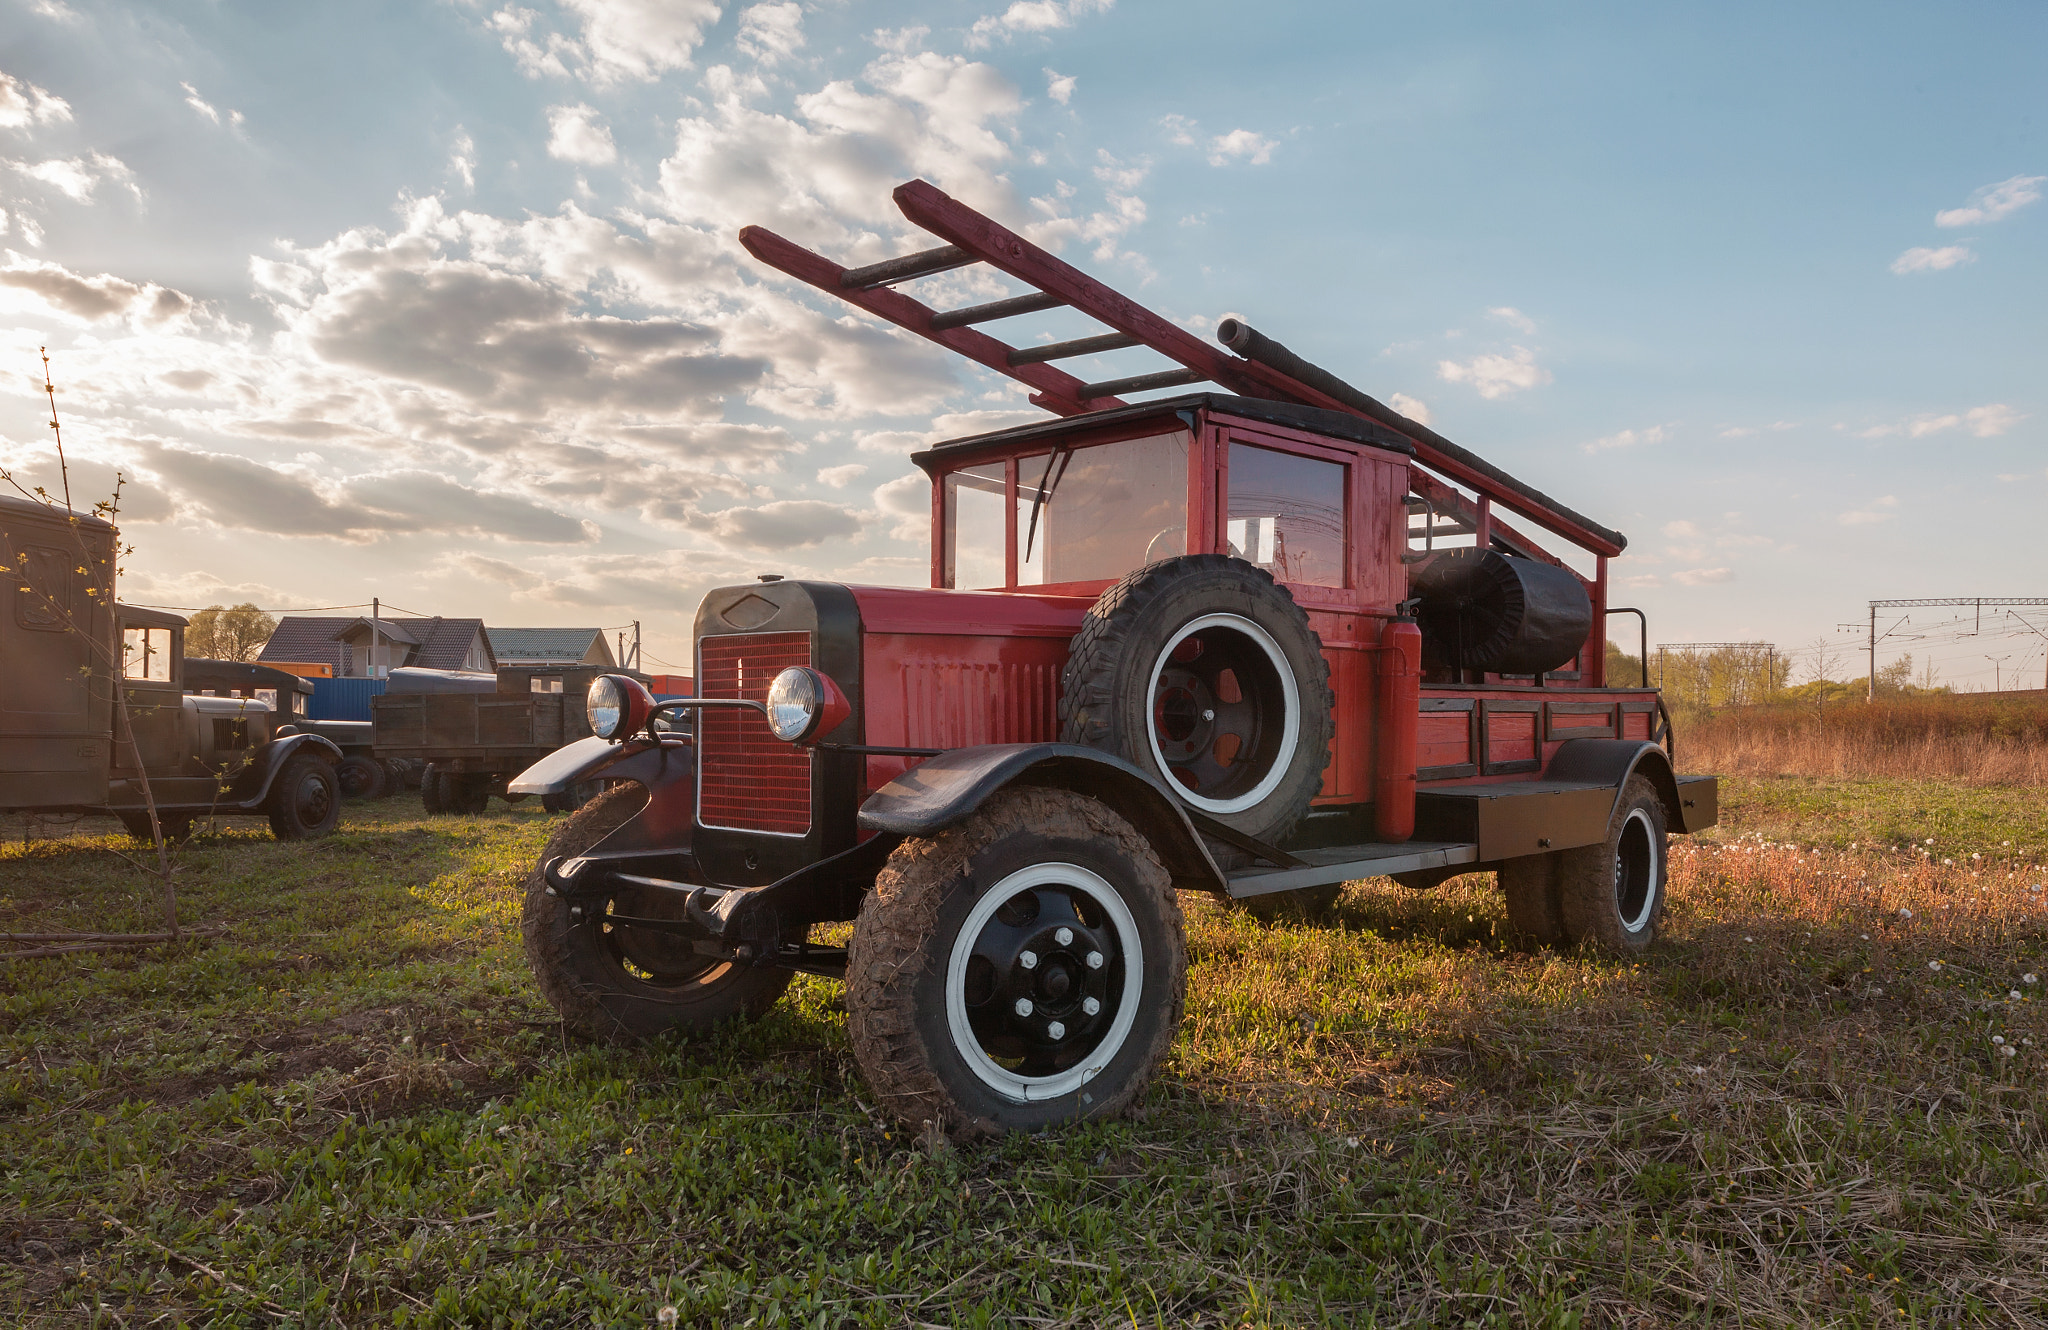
552 646
360 647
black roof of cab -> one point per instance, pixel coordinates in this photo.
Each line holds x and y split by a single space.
1315 420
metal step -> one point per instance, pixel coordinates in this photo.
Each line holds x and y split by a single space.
1348 863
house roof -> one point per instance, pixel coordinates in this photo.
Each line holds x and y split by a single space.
515 646
390 631
439 644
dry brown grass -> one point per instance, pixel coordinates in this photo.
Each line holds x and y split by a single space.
1997 739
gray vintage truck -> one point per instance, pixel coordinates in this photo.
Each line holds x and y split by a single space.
66 646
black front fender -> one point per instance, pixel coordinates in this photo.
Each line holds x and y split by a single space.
592 758
944 790
252 786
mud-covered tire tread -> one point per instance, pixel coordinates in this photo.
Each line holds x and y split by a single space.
1586 879
892 940
1088 686
1535 910
551 949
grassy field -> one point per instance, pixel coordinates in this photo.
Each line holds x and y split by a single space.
1820 1101
1971 738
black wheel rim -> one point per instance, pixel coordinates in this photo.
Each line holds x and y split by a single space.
1040 990
1223 714
316 799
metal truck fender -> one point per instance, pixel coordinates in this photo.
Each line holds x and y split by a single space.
942 790
1612 762
590 758
252 787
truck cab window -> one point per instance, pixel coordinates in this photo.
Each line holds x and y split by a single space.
974 527
1287 515
146 654
1102 511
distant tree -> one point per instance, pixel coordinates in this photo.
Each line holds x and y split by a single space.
1623 669
228 634
1895 679
1826 655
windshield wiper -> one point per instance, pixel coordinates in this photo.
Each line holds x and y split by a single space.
1044 493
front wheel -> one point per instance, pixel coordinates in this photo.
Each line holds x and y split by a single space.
305 803
1024 968
612 982
1611 894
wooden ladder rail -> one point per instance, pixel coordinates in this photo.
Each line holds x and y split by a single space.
975 238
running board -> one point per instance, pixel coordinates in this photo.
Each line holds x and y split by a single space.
1348 863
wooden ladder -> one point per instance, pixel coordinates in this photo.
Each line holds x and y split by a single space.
972 238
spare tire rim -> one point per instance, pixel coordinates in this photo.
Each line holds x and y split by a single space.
1635 870
1044 981
1224 713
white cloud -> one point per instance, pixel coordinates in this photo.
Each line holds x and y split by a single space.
1749 431
1179 129
53 289
1627 438
901 41
839 477
578 134
1922 259
1496 375
1681 530
1241 145
200 104
1703 576
1993 203
1412 407
77 177
907 502
1986 422
1514 318
783 524
1059 87
462 161
23 104
1877 510
771 32
620 40
1032 16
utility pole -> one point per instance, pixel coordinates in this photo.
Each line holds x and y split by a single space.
1871 695
636 644
1997 671
376 609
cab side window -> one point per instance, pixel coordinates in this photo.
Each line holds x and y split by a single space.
1287 514
146 654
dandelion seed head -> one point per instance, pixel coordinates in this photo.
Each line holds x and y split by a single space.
2030 978
1997 1038
666 1316
2010 1051
1934 965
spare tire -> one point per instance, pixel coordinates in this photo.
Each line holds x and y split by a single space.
1202 671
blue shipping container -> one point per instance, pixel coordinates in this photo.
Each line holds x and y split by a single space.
343 699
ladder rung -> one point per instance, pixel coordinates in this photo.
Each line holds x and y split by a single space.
921 264
1169 378
996 309
1080 346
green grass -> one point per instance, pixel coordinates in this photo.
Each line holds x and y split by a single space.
351 1108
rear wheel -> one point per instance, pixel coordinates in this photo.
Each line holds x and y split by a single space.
305 801
614 983
1024 968
431 794
1612 894
362 777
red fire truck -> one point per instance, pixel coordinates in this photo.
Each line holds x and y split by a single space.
1256 642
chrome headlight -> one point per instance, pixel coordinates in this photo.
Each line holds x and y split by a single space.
795 704
605 704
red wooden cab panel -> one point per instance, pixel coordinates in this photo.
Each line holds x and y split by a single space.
951 690
1443 739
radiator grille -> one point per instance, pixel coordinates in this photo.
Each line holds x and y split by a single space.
748 779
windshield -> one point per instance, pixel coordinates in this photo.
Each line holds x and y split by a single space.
1082 514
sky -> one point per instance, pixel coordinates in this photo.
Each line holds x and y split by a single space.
441 301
